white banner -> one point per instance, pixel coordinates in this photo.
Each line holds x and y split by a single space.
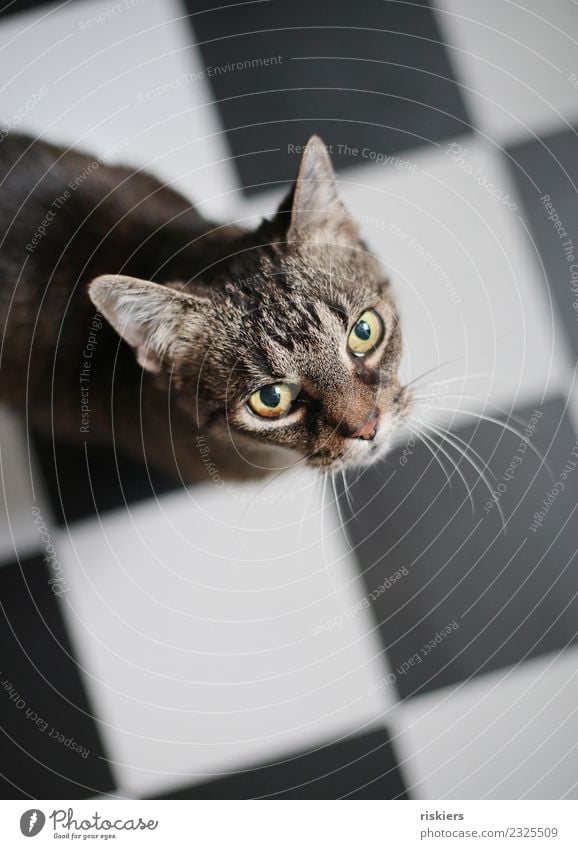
289 824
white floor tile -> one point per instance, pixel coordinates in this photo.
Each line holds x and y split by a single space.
122 81
218 631
507 735
518 62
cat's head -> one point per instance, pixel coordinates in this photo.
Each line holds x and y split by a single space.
291 340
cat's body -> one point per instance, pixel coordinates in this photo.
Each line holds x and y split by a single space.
117 219
234 311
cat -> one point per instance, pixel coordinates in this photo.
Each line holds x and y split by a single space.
129 319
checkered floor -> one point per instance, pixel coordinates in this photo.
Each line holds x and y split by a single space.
204 643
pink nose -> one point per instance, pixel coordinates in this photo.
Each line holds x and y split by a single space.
368 430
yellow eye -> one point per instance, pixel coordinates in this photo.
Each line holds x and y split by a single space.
366 334
273 400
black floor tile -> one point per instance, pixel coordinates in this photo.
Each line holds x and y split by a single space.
376 78
360 767
81 484
49 743
546 173
453 595
12 7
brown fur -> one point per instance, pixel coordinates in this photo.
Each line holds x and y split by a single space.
227 312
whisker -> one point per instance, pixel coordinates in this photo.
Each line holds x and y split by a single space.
361 471
339 513
261 489
305 513
324 554
455 465
468 447
420 435
443 365
487 401
505 426
443 381
480 472
347 492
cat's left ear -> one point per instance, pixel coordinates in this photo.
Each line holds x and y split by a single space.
153 319
317 213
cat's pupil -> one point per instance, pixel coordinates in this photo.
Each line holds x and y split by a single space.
270 396
362 330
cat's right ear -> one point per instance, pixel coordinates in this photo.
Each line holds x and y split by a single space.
316 212
153 319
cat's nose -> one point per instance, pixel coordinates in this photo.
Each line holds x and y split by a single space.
368 430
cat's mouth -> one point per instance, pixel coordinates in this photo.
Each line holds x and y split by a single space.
364 451
373 441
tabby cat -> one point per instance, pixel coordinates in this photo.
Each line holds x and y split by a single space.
129 318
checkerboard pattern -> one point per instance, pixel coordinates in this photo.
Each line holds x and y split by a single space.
408 632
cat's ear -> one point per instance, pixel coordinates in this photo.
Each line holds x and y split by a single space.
317 213
153 319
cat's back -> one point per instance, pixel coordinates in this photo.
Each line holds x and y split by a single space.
65 218
29 180
23 163
55 200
